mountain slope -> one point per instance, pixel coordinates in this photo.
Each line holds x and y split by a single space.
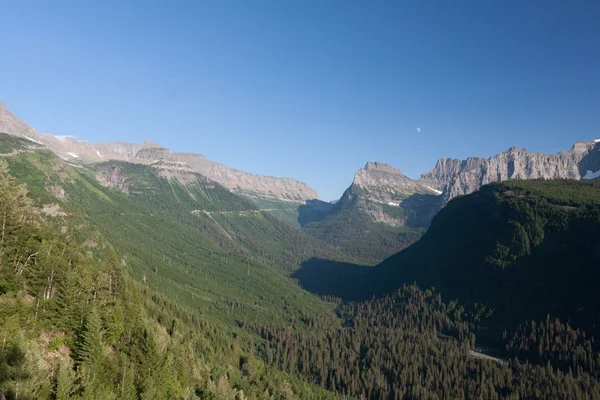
388 196
233 222
382 212
74 325
524 249
193 241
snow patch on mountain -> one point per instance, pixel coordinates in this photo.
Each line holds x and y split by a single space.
591 175
433 190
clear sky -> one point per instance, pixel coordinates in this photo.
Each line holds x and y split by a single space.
308 89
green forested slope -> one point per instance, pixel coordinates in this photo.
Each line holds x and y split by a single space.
287 212
357 234
214 261
523 249
232 222
74 325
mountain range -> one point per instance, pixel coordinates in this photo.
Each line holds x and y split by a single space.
457 177
380 213
149 152
127 273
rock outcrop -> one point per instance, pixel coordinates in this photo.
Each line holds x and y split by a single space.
113 177
382 183
12 125
384 193
250 185
458 177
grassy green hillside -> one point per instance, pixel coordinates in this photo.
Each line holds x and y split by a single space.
285 211
233 222
520 249
75 325
197 243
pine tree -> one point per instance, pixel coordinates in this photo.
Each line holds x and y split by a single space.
91 348
64 381
127 389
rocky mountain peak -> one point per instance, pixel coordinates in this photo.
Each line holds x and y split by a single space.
154 154
379 188
12 125
381 167
376 174
150 143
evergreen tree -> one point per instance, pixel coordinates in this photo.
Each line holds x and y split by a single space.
91 347
64 381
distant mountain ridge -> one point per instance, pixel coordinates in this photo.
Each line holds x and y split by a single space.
384 211
457 177
240 182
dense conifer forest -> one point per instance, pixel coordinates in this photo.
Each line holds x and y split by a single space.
525 249
75 326
412 345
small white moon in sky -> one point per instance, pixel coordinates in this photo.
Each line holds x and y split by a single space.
418 130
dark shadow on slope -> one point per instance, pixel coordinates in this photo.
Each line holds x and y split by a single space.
421 208
313 210
332 278
590 163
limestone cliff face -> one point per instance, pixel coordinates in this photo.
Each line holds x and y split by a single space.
113 177
458 177
385 194
155 154
176 169
149 152
122 151
240 182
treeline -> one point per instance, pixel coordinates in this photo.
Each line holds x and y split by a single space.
412 345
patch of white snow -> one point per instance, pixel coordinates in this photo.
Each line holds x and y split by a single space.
72 154
33 140
62 138
393 204
591 175
100 155
596 140
433 190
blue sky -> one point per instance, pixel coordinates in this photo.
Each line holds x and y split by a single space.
308 89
